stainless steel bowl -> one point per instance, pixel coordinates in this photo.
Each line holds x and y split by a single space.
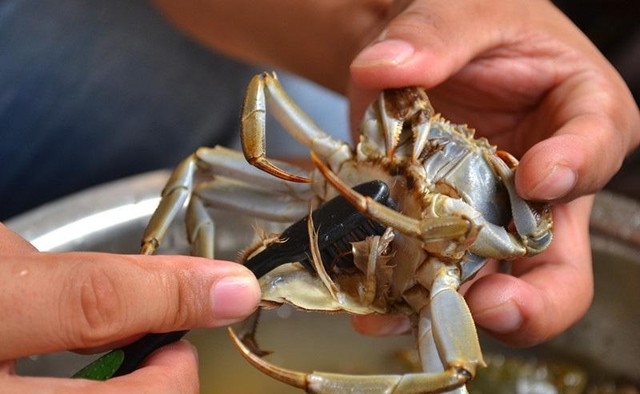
111 218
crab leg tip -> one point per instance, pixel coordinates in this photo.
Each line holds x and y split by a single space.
270 168
292 378
148 247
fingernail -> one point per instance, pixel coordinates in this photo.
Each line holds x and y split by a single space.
556 184
233 298
384 53
502 319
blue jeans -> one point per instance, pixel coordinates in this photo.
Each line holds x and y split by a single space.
96 90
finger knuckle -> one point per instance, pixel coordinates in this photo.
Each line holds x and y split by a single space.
181 307
95 308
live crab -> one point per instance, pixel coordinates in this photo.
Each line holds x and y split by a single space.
454 206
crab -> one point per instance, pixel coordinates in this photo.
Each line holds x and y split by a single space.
451 206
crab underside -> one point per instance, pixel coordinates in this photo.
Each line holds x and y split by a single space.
450 205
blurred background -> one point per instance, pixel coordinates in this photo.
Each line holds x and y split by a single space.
113 86
614 28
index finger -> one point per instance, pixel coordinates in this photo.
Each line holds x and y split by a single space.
171 369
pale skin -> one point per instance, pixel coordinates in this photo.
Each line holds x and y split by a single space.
518 71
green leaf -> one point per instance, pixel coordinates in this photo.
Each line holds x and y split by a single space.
102 368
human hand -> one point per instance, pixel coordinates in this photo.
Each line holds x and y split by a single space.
518 71
94 301
527 79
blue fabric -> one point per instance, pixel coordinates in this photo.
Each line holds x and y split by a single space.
96 90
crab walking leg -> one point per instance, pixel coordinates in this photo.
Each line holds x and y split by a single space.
493 240
223 193
200 229
232 164
532 225
451 325
175 193
177 190
266 89
448 227
428 350
321 382
219 161
252 135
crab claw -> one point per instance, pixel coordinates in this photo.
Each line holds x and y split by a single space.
321 382
533 222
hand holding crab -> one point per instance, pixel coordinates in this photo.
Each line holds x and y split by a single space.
520 72
528 80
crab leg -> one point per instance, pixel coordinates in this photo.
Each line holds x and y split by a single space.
175 193
227 162
449 227
453 328
265 88
321 382
428 350
179 187
200 229
223 193
200 226
532 225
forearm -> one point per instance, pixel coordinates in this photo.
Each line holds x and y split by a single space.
315 39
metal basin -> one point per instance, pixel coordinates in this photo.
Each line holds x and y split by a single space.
111 218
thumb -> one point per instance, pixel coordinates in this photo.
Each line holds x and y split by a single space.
588 149
569 164
424 45
53 302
